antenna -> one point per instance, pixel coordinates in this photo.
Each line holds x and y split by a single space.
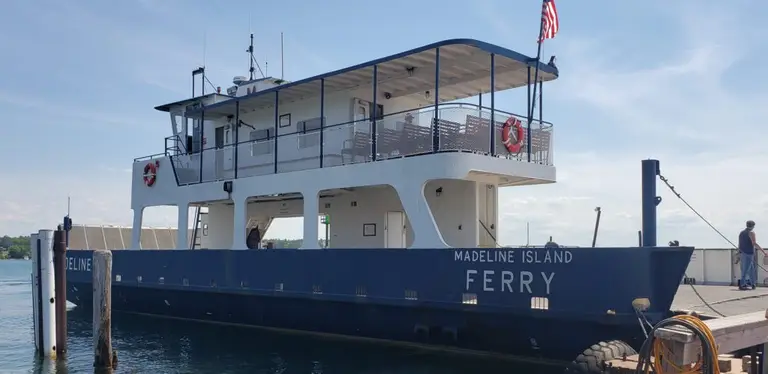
282 61
250 53
69 204
205 45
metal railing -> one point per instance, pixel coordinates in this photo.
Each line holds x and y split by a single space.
450 128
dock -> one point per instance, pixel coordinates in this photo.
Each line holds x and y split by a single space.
726 300
738 320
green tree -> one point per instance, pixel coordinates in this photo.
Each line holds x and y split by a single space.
14 247
18 252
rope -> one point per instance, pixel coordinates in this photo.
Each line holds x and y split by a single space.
672 188
653 353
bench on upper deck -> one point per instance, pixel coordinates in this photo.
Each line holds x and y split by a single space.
408 139
358 146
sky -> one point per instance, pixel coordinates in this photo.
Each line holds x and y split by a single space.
679 81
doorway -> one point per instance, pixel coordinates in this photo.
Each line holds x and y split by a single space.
394 230
361 115
223 139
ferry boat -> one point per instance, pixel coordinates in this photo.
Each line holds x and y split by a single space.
407 170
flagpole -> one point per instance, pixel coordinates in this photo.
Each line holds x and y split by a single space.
535 79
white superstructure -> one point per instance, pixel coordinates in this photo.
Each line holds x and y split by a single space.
384 149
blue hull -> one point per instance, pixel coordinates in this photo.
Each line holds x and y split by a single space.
405 295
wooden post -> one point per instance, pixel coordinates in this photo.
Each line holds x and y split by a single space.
102 310
60 281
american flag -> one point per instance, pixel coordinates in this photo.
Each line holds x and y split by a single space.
549 21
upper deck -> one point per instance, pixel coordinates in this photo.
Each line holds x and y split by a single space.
398 106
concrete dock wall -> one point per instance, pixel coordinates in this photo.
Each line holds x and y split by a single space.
716 266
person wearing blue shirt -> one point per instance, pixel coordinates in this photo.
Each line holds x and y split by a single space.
747 246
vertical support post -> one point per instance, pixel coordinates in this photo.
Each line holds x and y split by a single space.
322 118
236 130
650 170
60 282
753 365
311 213
277 127
48 293
327 231
374 114
492 126
182 224
34 245
528 113
531 99
541 102
597 226
138 214
435 123
102 309
239 233
202 143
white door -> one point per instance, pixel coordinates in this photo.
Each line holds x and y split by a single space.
361 115
228 150
394 230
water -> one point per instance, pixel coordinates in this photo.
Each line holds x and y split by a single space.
154 345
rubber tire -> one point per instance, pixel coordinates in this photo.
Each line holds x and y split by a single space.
592 359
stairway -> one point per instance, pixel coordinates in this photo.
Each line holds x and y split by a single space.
195 242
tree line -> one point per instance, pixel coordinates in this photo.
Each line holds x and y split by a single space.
14 247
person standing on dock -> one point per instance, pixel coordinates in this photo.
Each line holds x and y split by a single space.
747 246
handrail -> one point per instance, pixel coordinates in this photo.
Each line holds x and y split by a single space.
454 127
150 157
422 110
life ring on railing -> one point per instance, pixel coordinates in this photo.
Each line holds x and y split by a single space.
150 174
505 136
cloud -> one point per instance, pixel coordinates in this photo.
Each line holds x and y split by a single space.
84 114
676 107
34 201
565 210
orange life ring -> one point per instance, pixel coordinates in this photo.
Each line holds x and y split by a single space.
150 174
505 138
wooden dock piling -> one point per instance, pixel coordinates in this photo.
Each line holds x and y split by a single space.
102 310
60 281
731 334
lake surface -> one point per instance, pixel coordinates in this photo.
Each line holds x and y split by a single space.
156 345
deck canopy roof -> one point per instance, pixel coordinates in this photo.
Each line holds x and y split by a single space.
464 71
